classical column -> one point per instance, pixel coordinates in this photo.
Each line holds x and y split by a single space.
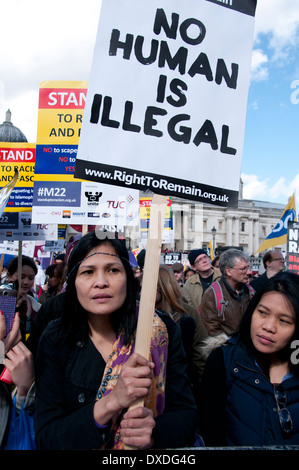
229 233
250 234
237 230
256 244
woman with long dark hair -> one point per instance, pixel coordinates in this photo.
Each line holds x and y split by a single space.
29 305
169 299
87 373
250 385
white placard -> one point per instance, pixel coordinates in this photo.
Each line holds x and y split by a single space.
167 96
19 226
12 248
85 203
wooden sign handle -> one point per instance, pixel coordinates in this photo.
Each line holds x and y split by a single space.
149 281
1 262
20 266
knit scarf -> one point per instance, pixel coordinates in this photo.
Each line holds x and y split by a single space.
155 400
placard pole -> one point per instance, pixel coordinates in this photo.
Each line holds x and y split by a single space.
20 266
1 262
149 281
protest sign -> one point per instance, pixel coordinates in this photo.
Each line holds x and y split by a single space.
166 102
165 110
144 214
19 226
18 157
57 196
292 252
10 247
85 203
171 257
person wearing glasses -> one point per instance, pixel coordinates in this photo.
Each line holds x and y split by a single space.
274 263
250 385
235 294
205 274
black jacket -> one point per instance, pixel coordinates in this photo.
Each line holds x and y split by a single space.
238 403
68 378
50 310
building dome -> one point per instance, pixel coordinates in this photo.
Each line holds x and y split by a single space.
10 133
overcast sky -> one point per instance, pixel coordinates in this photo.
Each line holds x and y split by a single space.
55 40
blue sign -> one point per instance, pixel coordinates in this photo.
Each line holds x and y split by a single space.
57 193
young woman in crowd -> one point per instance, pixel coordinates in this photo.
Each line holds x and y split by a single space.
250 385
87 373
55 279
169 299
16 379
30 306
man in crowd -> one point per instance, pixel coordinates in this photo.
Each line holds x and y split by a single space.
205 274
178 270
274 263
234 294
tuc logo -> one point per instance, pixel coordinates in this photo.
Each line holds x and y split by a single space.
116 204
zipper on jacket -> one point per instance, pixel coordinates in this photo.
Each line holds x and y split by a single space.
253 370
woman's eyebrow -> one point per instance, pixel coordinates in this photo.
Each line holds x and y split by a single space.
286 314
86 266
289 315
263 306
107 264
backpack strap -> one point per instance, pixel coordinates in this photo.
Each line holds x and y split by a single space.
251 290
221 304
218 294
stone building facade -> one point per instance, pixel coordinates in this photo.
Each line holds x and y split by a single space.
195 225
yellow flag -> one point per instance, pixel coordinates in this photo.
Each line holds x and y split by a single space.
211 251
279 234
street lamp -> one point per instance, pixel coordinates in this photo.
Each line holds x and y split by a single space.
214 236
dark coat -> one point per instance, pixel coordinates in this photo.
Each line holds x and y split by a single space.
68 377
235 307
239 407
50 310
259 282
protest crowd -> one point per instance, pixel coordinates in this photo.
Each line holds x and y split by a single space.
221 368
223 365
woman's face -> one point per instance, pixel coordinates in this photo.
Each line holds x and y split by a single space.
101 282
27 279
188 274
54 280
273 323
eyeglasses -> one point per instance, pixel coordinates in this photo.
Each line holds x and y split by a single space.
200 260
277 259
283 413
243 270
